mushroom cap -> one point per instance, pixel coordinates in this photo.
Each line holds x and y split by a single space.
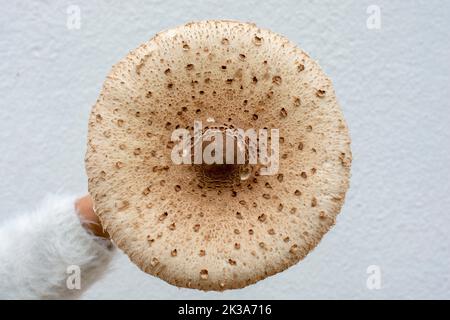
170 219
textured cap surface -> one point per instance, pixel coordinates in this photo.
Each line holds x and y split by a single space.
175 221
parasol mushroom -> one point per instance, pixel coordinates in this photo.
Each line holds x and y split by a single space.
216 226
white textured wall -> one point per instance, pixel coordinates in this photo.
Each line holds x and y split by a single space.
393 85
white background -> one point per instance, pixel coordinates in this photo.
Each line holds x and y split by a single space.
393 85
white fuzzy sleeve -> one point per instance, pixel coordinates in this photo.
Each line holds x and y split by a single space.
42 251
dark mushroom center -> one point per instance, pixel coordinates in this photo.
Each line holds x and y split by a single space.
225 174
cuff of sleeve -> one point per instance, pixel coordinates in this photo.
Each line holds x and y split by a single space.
50 254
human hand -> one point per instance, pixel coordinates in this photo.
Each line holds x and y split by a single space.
85 209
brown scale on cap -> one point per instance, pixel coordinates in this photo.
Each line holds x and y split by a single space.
242 77
204 274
